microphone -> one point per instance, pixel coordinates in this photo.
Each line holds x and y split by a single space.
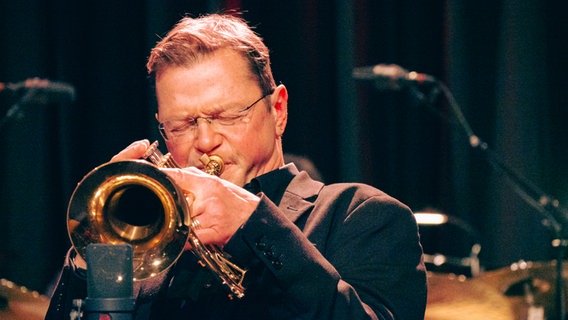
40 90
392 76
110 291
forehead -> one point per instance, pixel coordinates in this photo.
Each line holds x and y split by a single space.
223 78
220 68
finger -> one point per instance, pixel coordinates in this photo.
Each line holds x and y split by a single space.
134 151
185 177
190 199
205 236
210 236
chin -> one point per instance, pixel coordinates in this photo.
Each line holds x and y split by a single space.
239 181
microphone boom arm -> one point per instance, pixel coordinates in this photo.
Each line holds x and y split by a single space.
550 208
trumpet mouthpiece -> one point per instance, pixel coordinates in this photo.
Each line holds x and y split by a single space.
214 165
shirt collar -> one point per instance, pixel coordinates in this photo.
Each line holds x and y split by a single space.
274 183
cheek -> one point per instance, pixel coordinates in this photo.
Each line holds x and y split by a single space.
258 139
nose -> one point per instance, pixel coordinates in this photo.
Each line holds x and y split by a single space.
206 137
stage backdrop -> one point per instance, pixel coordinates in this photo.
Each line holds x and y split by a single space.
503 61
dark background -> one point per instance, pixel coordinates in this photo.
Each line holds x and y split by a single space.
504 61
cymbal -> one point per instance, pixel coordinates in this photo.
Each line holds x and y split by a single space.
20 303
457 297
13 292
505 277
521 279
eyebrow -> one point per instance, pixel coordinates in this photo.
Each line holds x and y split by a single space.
227 108
212 111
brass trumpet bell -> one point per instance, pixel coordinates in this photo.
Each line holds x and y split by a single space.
131 202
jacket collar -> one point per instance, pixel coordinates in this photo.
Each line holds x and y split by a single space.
291 190
300 194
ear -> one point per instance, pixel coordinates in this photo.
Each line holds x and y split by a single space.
280 109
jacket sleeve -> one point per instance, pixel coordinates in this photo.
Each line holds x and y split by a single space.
361 260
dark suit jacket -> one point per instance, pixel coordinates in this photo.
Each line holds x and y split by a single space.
341 251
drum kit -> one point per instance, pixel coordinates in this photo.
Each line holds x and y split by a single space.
521 291
20 303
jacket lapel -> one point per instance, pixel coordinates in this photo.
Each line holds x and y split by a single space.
299 196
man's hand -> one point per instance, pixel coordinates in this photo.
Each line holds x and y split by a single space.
220 206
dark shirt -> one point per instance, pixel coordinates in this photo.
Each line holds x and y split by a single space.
273 184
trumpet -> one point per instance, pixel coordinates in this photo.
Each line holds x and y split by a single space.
133 202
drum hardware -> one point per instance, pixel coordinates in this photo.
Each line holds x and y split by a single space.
432 219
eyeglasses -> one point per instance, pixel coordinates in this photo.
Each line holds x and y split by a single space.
173 129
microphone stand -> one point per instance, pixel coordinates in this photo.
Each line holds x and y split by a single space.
393 77
549 207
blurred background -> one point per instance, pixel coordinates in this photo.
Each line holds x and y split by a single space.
504 62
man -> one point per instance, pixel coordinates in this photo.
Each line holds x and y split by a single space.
311 251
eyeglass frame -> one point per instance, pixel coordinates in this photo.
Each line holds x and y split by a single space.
193 122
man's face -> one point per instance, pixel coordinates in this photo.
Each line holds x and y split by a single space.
222 86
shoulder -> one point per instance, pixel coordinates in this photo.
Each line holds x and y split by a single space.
345 200
362 206
359 194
